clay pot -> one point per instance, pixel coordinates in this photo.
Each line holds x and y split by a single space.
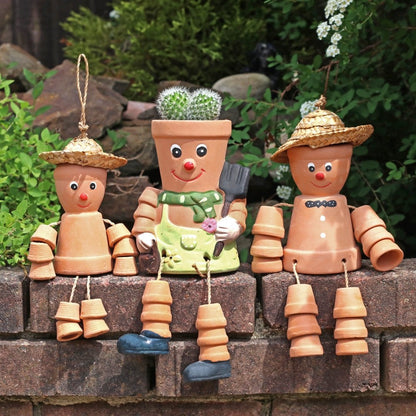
269 222
346 328
305 346
45 234
124 248
349 303
39 252
156 314
94 327
266 246
117 232
92 308
125 266
68 311
42 271
212 337
364 218
372 236
302 324
351 347
266 265
385 255
67 331
300 300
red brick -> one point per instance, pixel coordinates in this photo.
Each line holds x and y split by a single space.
122 298
11 300
263 366
380 406
16 408
399 363
389 297
212 408
85 368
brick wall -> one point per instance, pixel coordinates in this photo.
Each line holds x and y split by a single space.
41 377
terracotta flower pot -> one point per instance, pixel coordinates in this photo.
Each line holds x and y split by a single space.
346 328
305 346
156 314
300 300
269 221
266 246
42 271
68 311
124 248
94 327
92 308
116 233
45 234
266 265
351 347
372 236
349 303
212 337
67 331
364 218
302 324
39 252
385 255
125 266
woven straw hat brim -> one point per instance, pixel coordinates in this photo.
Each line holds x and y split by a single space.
354 135
95 160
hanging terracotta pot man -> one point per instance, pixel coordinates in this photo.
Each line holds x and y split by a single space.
189 227
83 242
323 233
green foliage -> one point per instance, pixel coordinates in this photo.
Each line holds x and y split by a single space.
27 192
178 103
149 41
371 81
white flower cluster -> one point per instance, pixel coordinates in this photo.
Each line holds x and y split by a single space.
280 171
334 13
307 107
283 192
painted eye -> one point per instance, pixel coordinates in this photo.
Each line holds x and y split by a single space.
201 150
176 150
328 166
93 185
311 167
73 185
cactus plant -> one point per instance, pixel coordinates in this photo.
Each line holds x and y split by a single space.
177 103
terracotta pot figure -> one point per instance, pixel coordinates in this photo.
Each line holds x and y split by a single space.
84 244
323 234
189 227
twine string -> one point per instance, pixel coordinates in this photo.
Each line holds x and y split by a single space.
207 276
88 287
344 264
296 273
82 125
74 285
159 272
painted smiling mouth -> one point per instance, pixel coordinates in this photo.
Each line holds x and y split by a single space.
323 186
188 180
84 206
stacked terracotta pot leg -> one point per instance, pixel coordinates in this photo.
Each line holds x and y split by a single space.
350 330
266 248
92 315
124 250
303 329
377 242
156 315
67 324
42 244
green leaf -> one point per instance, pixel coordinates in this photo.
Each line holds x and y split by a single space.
37 90
30 76
26 160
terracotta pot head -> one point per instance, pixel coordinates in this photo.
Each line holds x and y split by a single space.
190 158
322 171
80 188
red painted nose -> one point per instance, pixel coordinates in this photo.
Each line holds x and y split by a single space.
83 196
320 176
189 165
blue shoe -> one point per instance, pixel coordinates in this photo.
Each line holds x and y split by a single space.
148 343
206 371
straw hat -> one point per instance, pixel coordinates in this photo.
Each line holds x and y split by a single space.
84 151
322 128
